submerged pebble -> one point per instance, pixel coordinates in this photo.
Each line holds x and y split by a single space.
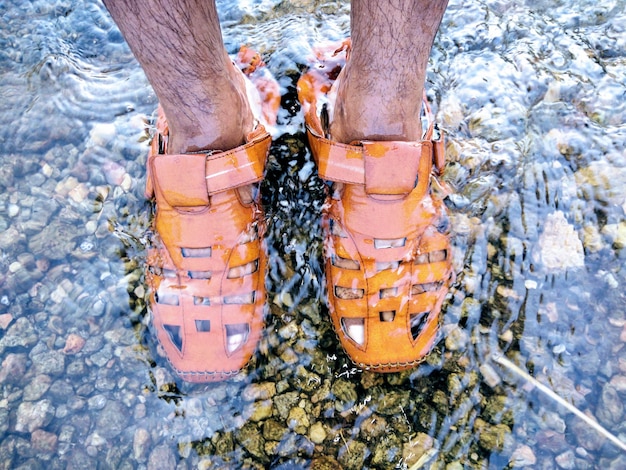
73 344
559 247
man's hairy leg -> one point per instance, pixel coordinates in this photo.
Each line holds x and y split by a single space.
179 45
380 93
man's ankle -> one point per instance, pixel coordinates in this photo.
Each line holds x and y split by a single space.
222 126
376 109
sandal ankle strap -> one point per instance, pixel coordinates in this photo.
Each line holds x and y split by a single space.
188 180
406 166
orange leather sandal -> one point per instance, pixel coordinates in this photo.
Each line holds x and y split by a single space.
388 266
206 270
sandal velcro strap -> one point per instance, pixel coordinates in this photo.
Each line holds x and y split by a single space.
187 180
385 168
391 167
239 167
337 162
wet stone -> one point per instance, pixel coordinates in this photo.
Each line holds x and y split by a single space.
95 443
75 369
589 362
28 461
25 451
44 443
492 437
34 415
21 279
105 380
490 376
497 409
288 331
273 430
618 382
559 247
289 356
298 420
76 403
317 433
284 402
373 427
5 320
55 241
223 442
618 463
20 334
9 238
325 463
271 448
112 420
141 444
393 402
161 458
139 411
121 337
553 421
13 368
193 407
371 379
48 362
97 402
616 234
260 410
6 176
456 339
73 344
37 387
566 460
115 458
440 403
103 356
93 344
4 422
551 441
352 455
40 216
387 451
345 394
322 392
456 465
250 438
62 411
261 391
522 456
61 391
305 446
592 240
306 380
610 408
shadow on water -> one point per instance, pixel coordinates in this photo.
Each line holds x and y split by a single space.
532 101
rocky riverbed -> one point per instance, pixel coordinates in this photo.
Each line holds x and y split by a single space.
531 97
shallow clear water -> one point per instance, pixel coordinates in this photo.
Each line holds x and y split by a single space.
532 97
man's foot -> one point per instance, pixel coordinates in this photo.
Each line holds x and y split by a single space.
388 259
